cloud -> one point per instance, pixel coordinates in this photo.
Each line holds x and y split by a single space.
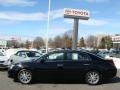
37 16
57 14
40 16
17 2
17 16
94 1
90 22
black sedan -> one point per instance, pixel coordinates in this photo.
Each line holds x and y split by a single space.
64 65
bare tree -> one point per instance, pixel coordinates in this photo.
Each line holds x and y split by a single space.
64 41
27 44
51 43
22 45
57 42
13 43
38 43
91 41
67 41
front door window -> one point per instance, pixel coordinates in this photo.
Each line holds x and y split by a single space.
55 57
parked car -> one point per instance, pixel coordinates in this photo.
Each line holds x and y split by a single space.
24 55
42 51
103 54
2 50
3 61
10 52
64 65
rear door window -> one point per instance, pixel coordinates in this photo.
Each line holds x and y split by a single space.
75 56
84 57
72 56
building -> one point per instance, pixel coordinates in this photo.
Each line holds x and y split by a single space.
116 41
3 43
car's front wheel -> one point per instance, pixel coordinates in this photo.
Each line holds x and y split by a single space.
25 76
93 77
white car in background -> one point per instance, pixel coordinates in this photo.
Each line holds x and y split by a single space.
10 52
3 61
42 51
115 60
103 54
2 50
24 55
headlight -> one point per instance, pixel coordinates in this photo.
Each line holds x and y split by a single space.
19 65
12 66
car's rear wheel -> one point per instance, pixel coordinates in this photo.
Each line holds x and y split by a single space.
93 78
25 76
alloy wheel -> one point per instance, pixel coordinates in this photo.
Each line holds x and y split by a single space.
25 76
93 77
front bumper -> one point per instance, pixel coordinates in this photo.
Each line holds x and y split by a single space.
12 73
3 66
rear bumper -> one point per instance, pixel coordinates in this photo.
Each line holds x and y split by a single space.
110 73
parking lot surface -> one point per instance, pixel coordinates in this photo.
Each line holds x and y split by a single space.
8 84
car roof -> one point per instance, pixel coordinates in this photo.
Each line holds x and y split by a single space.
70 51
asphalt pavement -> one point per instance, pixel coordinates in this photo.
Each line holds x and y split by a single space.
9 84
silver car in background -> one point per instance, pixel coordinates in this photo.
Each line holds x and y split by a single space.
24 55
3 61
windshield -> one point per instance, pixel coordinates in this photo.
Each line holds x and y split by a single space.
33 54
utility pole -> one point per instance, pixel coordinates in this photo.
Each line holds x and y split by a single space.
48 25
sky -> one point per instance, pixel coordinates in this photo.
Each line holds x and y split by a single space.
28 18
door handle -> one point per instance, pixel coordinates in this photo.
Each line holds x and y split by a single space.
86 64
59 65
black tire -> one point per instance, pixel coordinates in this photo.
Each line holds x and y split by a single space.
93 78
24 76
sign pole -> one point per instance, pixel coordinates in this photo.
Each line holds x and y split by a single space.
75 34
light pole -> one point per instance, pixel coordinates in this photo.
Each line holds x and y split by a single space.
48 25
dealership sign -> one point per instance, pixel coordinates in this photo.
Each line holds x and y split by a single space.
75 13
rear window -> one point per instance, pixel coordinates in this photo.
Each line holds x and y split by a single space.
97 56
